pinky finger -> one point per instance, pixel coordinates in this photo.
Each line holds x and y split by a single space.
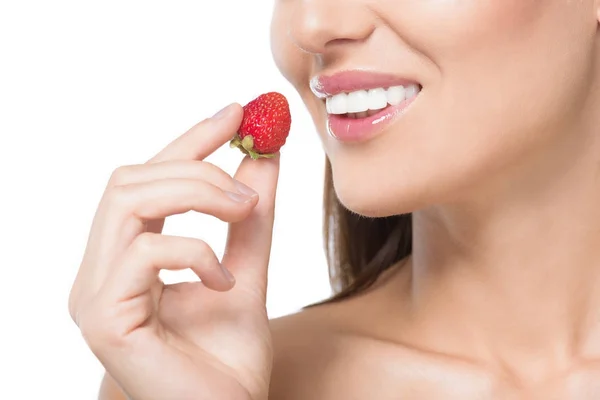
138 270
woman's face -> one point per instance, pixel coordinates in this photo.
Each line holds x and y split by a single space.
502 83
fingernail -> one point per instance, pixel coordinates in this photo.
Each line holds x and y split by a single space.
222 113
227 274
243 189
237 197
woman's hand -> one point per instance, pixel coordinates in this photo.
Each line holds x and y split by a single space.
196 340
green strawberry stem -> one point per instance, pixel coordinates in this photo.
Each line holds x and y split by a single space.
246 146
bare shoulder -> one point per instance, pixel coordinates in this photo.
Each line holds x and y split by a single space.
305 345
315 350
338 351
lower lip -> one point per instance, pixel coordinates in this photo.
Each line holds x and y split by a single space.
347 129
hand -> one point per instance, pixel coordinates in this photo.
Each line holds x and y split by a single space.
193 340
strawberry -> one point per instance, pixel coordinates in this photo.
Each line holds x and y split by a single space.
265 126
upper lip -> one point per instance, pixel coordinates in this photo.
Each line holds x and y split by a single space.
324 86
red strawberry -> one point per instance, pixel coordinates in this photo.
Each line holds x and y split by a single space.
265 126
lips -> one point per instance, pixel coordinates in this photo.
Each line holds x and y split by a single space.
361 104
324 86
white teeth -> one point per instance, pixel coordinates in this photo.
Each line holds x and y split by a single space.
396 95
375 99
338 104
412 91
358 101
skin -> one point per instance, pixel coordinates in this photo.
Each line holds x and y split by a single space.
212 336
500 297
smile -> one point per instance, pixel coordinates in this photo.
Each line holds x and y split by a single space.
365 103
360 104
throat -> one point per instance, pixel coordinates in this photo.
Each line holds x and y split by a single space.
519 289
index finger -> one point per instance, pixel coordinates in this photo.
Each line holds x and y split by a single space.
203 138
248 247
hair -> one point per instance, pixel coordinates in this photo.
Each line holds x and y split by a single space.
360 249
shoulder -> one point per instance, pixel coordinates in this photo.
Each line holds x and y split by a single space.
305 345
300 345
316 349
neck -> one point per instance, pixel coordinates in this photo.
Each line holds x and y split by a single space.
515 278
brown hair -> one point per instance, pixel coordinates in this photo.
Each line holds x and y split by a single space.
358 248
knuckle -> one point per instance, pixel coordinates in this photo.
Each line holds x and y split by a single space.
202 255
209 164
120 176
212 168
117 197
145 242
73 305
195 254
207 168
200 246
77 297
90 326
100 329
221 174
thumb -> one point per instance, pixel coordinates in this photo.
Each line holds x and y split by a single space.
248 246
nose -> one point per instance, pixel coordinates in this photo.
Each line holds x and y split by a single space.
318 25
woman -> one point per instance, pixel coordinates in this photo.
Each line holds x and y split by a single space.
463 232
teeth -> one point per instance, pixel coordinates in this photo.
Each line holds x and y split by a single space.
396 95
360 102
377 99
412 91
338 104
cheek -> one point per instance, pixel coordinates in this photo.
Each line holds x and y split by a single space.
511 78
499 57
441 28
507 74
512 74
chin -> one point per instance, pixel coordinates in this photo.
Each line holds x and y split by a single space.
372 181
364 191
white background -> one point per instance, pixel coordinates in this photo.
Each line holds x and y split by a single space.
88 86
